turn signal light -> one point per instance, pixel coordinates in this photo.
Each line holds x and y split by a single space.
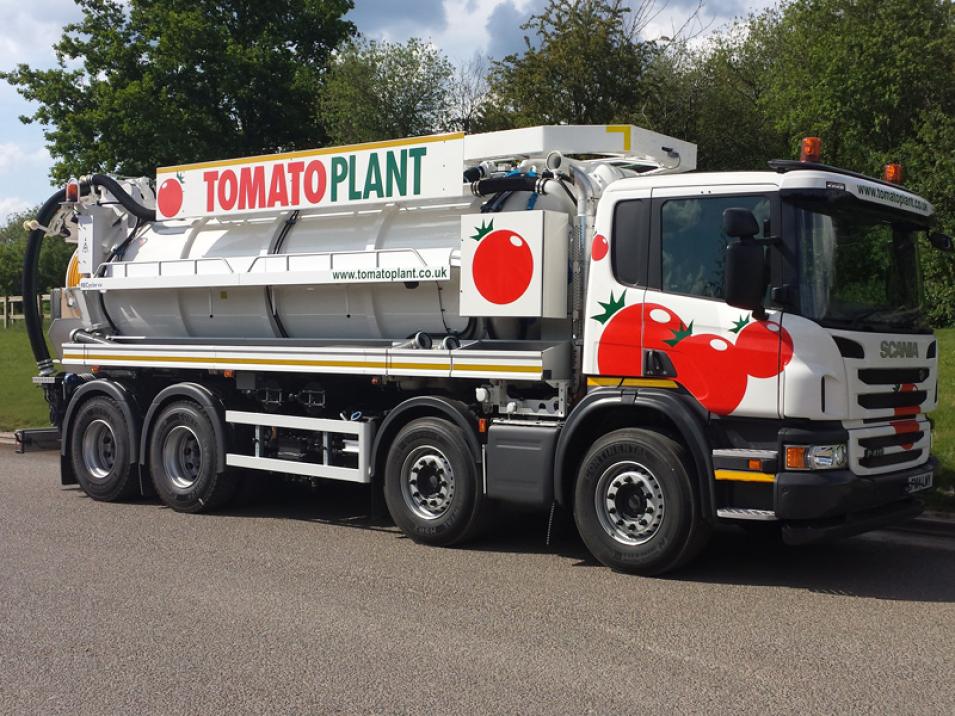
892 173
810 149
795 457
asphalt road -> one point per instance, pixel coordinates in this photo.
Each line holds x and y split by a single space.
302 604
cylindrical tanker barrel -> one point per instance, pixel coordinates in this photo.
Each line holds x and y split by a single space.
196 279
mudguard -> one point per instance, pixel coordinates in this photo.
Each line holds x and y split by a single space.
199 394
426 406
675 408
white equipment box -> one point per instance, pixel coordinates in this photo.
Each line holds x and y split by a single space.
514 264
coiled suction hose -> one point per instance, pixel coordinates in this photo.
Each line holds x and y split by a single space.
31 258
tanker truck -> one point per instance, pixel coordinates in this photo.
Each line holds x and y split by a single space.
558 317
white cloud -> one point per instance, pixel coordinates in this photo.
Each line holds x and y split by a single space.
12 205
29 30
14 156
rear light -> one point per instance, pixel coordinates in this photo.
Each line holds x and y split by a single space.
810 149
892 173
816 457
72 191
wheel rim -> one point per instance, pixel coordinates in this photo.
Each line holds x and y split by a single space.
427 482
629 502
182 457
99 449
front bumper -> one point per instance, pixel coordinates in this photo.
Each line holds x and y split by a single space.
820 506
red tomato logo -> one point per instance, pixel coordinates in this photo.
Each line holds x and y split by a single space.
708 367
599 248
503 264
764 348
170 197
713 369
660 326
618 352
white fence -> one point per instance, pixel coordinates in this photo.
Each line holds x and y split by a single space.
8 305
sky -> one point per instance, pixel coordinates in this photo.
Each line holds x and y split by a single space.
460 28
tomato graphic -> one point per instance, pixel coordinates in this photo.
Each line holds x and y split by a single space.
764 348
708 367
503 264
660 325
599 248
619 350
170 197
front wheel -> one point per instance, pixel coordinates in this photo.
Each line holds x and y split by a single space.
634 503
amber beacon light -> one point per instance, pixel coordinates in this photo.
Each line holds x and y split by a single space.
810 149
892 173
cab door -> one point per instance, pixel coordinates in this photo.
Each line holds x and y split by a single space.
616 286
728 359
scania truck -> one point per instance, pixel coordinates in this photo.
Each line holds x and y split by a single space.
557 317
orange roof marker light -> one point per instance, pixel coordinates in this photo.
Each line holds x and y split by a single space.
810 149
892 173
72 194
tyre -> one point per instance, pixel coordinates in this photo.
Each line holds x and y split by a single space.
634 503
100 451
183 460
432 487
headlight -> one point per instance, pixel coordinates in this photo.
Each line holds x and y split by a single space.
816 457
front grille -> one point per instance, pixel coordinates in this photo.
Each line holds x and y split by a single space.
892 458
902 399
892 376
898 440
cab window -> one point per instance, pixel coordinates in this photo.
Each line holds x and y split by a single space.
628 249
692 243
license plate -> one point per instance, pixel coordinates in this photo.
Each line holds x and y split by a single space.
917 483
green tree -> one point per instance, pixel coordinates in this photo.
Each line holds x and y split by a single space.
54 257
383 90
858 73
728 87
584 63
930 165
146 83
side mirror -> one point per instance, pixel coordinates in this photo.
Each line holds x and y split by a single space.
942 242
740 223
744 274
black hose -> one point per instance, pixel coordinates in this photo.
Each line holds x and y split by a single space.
31 269
31 258
517 182
128 202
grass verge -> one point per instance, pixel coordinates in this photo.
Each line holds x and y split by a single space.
21 403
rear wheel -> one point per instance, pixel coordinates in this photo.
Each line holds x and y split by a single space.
634 504
100 451
431 483
183 460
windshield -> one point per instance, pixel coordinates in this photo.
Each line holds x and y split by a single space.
858 269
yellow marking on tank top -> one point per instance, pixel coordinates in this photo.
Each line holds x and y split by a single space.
623 129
